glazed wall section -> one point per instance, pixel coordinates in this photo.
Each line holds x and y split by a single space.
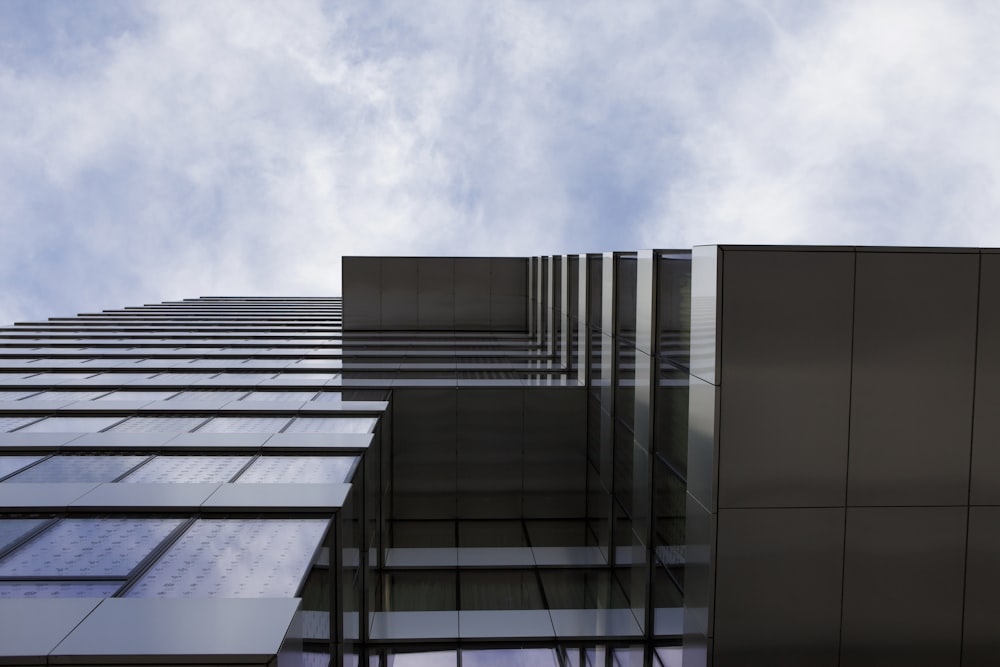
844 499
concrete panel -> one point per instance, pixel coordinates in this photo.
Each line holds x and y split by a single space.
778 583
785 370
913 375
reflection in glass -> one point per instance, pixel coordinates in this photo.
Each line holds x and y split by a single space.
137 396
190 469
299 469
82 468
11 530
510 657
332 425
9 464
235 558
87 548
158 425
11 423
244 425
70 425
58 589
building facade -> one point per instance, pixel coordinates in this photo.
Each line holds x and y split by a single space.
731 456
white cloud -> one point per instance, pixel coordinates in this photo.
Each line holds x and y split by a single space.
163 150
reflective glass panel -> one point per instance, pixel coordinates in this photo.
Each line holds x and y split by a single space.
11 530
87 548
508 657
61 589
158 425
332 425
208 395
329 396
9 464
279 396
71 425
137 396
69 395
191 469
11 423
14 395
300 469
84 468
244 425
235 558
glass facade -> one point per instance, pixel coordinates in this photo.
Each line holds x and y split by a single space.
490 471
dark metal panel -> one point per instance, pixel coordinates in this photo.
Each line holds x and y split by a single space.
778 585
490 452
424 453
785 371
361 283
555 455
911 402
399 293
472 289
436 292
985 481
903 581
980 639
509 293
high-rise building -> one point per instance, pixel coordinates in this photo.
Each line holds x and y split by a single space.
731 456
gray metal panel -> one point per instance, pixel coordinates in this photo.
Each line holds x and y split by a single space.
704 311
980 639
362 290
42 496
32 628
472 293
436 293
778 585
703 441
912 388
145 497
509 293
903 584
399 293
490 452
180 630
985 483
785 373
324 498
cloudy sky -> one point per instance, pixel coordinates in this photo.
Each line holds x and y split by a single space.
159 150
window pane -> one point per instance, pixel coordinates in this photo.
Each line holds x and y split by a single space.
88 548
84 468
11 530
11 423
158 425
69 395
170 469
208 395
9 464
71 425
279 396
263 558
137 396
61 589
332 425
299 469
244 425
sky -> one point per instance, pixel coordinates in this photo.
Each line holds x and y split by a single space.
160 150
